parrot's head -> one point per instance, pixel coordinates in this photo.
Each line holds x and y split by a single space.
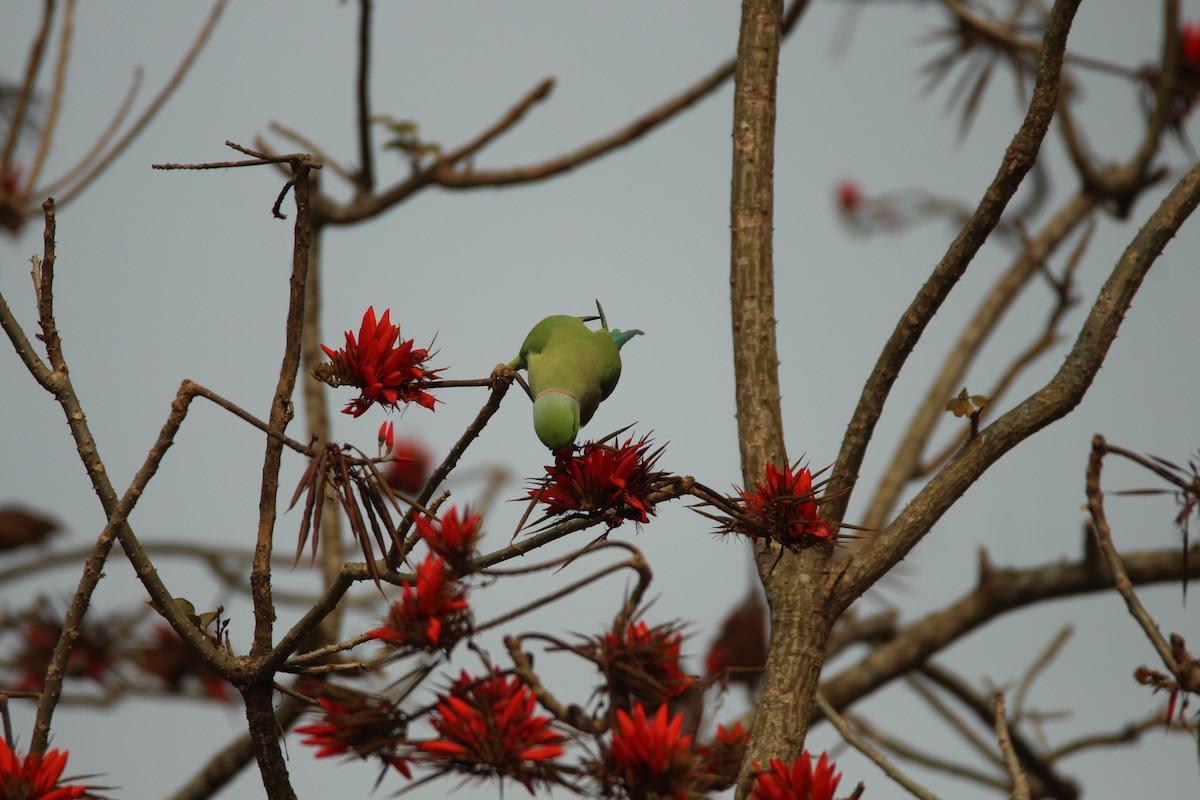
556 418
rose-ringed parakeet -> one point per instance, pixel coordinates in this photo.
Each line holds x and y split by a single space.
571 369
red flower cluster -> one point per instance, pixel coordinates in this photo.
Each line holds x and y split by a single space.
387 373
34 777
488 728
644 662
802 781
102 645
739 652
653 758
454 537
171 660
432 613
723 756
783 508
357 723
601 478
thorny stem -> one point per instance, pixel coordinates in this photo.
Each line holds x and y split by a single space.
281 413
502 378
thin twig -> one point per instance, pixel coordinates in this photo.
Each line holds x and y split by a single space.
904 748
56 94
365 182
98 146
878 758
33 65
1020 784
1044 660
155 105
442 172
1121 582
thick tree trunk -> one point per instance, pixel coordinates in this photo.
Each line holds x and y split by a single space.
799 628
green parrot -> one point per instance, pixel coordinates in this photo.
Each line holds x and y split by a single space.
571 369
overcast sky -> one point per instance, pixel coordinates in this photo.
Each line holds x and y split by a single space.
165 276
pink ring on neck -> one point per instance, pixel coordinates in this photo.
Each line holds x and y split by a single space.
545 392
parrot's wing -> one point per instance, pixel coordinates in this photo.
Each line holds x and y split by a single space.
538 338
609 378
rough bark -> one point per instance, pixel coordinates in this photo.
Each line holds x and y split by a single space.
798 635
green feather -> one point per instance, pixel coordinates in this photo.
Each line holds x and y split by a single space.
571 370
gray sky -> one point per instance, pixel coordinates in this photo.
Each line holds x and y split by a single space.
166 276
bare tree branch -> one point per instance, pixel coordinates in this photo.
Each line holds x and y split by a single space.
1057 398
1018 160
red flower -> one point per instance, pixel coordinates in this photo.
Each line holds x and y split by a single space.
850 197
802 781
1187 83
739 652
644 662
654 758
357 723
387 373
783 508
34 777
432 613
11 182
723 757
488 728
599 479
171 660
453 536
1189 47
409 469
387 435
